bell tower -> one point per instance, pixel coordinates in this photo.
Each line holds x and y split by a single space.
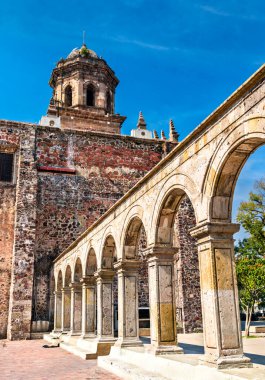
83 94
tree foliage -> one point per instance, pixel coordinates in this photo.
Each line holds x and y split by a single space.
251 215
250 253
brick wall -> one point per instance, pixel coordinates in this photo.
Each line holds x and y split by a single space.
106 167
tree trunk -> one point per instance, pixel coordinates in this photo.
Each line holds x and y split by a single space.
248 319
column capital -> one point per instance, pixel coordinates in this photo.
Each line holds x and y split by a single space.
161 251
127 265
88 280
105 274
75 285
213 231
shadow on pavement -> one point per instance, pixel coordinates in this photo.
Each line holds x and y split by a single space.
191 348
256 359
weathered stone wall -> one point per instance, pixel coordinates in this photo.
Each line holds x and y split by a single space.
187 276
7 214
17 220
8 139
105 167
143 286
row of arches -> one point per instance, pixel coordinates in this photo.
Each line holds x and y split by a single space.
90 97
210 192
126 280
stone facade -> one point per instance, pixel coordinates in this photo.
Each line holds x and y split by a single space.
64 181
68 171
18 219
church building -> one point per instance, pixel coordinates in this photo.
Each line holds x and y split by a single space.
59 176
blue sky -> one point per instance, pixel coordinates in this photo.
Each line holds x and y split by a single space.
175 59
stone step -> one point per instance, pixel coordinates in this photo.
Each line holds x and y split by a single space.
52 339
83 354
127 371
130 363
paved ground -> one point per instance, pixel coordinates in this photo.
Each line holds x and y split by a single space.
28 360
254 348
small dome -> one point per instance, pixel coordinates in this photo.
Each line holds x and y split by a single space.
83 51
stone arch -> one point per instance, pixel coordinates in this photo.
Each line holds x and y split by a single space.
90 95
110 231
179 184
109 107
131 239
68 96
109 253
78 270
59 283
68 276
91 262
227 164
166 213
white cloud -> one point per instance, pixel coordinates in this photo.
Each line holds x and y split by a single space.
214 11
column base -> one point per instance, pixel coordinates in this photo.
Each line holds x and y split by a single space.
165 350
56 331
88 336
74 333
122 343
225 362
104 345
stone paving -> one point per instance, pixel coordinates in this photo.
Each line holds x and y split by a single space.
28 360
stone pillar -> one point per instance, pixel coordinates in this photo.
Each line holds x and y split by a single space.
57 311
88 306
128 303
66 309
220 306
76 308
105 328
162 300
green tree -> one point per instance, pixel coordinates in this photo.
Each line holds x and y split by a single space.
250 268
251 215
250 253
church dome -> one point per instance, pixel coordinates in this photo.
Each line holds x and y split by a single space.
83 52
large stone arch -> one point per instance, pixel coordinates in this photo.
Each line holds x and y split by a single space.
110 232
227 164
135 219
59 281
78 269
67 278
180 183
90 262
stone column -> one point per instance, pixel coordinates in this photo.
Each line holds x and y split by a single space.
105 328
66 309
220 306
57 311
162 300
128 303
76 308
88 306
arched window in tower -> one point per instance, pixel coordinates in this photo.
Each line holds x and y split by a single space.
108 103
68 96
90 96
